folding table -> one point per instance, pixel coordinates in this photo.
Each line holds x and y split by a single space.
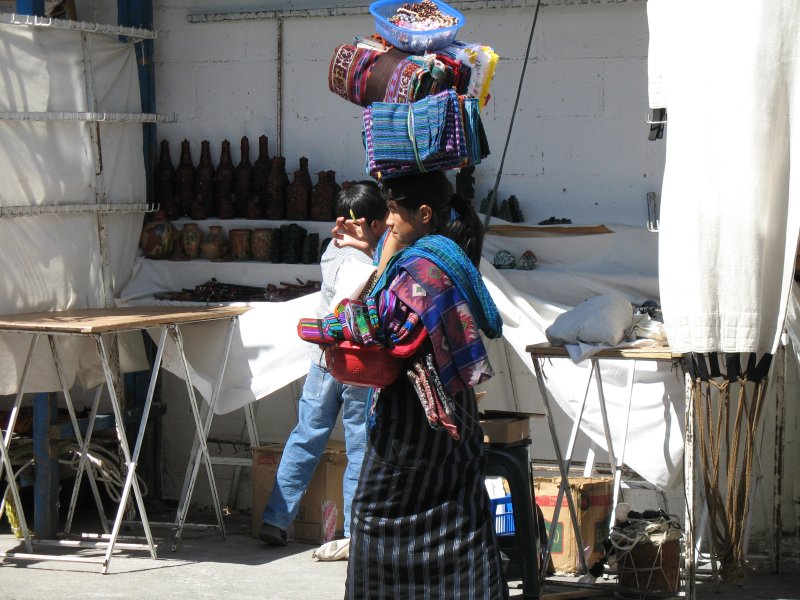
95 324
541 352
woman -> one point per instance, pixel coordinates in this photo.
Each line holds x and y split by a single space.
421 525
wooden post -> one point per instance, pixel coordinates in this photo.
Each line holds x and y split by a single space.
46 503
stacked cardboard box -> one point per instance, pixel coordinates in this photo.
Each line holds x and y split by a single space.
321 515
592 497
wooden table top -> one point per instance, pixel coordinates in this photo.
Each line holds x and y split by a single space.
110 320
546 350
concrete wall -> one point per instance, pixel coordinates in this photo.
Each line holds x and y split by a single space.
579 146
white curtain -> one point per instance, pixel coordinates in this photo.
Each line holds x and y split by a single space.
53 262
727 73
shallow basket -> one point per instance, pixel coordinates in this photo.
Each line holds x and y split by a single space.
410 40
503 512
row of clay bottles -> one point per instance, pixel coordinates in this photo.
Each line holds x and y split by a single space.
259 190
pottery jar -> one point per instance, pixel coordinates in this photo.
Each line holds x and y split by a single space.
190 239
158 237
239 240
262 244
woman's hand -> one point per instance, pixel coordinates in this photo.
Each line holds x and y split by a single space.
354 233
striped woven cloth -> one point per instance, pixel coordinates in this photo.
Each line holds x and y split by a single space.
351 68
428 134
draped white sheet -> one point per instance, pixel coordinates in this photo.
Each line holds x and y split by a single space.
729 74
53 262
267 354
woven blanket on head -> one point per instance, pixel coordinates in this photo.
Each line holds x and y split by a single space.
363 76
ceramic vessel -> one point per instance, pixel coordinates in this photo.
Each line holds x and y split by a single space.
210 251
203 184
223 184
304 171
184 177
190 239
240 242
298 197
261 244
261 169
165 184
242 179
158 237
276 189
323 198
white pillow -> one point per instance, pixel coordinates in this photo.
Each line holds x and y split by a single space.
598 320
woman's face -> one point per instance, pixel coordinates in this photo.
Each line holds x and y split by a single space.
407 225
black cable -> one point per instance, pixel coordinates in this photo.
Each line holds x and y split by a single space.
493 197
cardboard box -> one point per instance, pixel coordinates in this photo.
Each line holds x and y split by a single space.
503 427
321 514
592 497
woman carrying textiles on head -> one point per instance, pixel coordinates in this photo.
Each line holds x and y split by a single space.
421 525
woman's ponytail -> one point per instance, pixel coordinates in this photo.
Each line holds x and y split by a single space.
465 228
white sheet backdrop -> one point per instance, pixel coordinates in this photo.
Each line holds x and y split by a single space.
267 354
52 262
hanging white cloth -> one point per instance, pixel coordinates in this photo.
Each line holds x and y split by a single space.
53 262
730 211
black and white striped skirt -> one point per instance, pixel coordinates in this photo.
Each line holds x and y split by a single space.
421 525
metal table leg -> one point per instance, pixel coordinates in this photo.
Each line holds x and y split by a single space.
202 427
131 482
563 486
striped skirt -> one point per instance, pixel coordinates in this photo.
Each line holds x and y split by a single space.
421 524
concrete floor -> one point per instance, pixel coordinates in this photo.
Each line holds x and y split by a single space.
206 567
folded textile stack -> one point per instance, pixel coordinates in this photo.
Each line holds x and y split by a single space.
442 131
479 60
367 72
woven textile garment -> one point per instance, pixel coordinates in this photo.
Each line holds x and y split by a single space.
421 523
426 135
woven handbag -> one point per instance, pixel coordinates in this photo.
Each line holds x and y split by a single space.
371 366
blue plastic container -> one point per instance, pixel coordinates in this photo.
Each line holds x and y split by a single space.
503 512
410 40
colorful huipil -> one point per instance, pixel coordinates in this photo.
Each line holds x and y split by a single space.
421 522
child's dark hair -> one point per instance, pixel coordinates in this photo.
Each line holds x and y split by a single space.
364 199
453 216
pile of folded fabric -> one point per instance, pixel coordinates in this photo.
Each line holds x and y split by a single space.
369 71
438 132
421 112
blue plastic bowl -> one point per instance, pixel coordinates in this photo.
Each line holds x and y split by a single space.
410 40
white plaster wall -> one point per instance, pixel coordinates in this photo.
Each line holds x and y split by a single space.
579 146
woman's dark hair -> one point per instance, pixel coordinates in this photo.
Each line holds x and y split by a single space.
435 190
364 199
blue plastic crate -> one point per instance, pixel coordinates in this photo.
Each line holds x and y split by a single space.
503 512
410 40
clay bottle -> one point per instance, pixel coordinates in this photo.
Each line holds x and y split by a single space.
203 184
304 171
297 198
336 189
223 184
323 199
184 176
165 183
244 174
276 189
261 168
